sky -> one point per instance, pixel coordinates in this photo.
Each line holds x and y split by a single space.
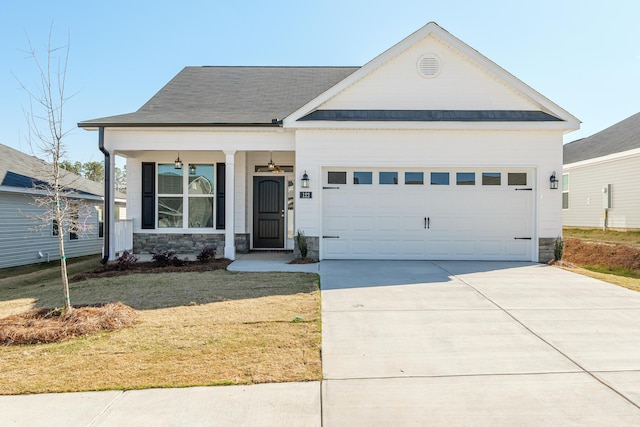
584 55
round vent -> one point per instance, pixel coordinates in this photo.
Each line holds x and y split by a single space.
429 66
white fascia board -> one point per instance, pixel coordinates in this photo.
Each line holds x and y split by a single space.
432 28
603 159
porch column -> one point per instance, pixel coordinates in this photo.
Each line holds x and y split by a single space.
112 205
230 206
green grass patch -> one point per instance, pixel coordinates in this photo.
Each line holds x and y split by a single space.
622 272
629 237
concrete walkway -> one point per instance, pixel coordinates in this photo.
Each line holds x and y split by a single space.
477 343
418 343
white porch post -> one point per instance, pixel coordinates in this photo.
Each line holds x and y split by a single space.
229 210
112 217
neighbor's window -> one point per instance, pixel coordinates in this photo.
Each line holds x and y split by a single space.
439 178
414 178
388 177
337 178
54 228
491 178
565 191
170 196
362 177
100 215
75 225
200 196
465 178
517 178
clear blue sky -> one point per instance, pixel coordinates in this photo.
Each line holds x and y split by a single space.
582 54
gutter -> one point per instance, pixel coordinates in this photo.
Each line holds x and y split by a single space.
107 195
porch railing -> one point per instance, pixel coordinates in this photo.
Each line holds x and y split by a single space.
123 234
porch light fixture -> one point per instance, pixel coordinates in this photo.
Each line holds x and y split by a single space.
305 180
271 165
177 162
553 181
192 169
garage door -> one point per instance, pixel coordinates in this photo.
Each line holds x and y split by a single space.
456 214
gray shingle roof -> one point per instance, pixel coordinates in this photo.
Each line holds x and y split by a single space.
22 171
622 136
201 96
431 116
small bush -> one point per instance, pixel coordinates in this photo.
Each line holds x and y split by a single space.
166 258
207 254
126 260
558 249
301 241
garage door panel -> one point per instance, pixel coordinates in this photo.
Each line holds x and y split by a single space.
388 221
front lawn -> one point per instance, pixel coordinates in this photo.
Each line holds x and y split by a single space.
194 328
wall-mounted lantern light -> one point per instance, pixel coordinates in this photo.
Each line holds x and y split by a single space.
177 162
553 181
192 169
305 180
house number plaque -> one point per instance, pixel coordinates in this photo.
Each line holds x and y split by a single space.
305 194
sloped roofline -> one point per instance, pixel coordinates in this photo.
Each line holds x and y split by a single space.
572 122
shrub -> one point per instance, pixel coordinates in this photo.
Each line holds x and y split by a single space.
301 241
207 254
558 249
165 258
126 260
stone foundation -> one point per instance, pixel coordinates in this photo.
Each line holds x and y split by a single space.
313 248
546 247
144 243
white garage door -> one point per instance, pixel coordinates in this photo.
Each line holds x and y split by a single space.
452 214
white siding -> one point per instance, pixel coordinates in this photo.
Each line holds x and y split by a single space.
19 243
586 197
460 85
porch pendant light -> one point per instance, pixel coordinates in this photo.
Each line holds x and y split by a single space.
192 169
177 162
271 165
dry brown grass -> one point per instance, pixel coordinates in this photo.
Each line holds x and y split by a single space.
614 256
193 329
40 325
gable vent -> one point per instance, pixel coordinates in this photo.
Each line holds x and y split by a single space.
429 66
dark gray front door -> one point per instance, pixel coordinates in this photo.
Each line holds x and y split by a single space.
268 212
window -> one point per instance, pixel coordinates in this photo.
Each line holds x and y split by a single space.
337 178
565 191
198 197
517 178
439 178
100 222
388 177
465 178
54 228
75 225
362 177
491 178
414 178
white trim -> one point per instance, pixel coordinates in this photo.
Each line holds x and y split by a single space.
229 205
603 159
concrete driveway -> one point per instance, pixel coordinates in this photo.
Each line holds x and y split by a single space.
476 343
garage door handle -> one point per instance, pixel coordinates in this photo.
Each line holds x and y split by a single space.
427 223
330 237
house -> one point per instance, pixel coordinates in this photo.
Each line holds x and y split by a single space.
600 178
429 151
23 237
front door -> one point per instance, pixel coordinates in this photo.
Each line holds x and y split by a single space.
268 212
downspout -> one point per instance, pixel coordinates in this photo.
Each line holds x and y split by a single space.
107 195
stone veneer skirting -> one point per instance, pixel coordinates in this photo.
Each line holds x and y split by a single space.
546 247
186 243
313 248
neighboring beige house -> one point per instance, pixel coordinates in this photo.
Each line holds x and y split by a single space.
429 151
600 178
20 242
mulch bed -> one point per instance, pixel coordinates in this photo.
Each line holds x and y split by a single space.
303 261
41 325
112 269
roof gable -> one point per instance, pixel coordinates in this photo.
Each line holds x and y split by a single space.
467 81
621 137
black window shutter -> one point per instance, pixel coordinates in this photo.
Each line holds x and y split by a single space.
148 195
220 184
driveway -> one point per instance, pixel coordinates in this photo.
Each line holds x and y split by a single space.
476 343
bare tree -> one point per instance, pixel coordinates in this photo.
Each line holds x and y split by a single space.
56 197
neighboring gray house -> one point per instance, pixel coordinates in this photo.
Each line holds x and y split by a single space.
20 243
600 178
